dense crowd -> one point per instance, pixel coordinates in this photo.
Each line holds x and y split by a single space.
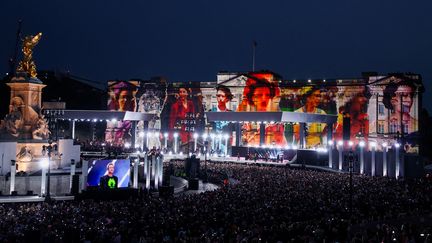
269 204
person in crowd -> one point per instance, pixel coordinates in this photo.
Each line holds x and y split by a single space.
252 204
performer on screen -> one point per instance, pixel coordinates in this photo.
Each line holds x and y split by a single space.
109 181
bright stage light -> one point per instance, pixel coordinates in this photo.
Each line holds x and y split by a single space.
45 163
373 144
175 134
384 145
141 134
397 145
295 147
362 143
166 135
127 145
350 143
195 135
226 136
205 135
330 142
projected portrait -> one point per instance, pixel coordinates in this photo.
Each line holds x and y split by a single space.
121 98
310 101
356 109
398 98
260 95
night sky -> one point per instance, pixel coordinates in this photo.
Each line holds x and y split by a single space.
193 40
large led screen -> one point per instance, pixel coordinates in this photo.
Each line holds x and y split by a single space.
109 174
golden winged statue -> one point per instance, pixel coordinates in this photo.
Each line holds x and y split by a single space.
27 64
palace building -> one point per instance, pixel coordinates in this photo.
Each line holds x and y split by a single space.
379 108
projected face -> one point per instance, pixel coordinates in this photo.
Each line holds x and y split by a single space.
261 98
402 95
125 101
221 97
183 93
314 99
110 169
359 101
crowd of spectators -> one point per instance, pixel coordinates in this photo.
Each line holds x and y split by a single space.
268 204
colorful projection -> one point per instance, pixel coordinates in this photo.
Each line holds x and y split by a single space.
380 108
121 98
183 113
390 110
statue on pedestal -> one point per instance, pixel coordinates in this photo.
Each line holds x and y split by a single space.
27 64
25 121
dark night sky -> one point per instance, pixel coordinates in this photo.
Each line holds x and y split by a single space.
193 40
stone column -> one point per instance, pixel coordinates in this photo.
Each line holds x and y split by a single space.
330 153
12 176
397 162
72 173
384 160
340 148
373 160
84 174
43 179
262 133
135 173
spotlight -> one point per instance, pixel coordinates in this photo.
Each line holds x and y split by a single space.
362 143
340 143
45 163
330 142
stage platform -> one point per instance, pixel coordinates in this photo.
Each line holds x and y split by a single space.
30 199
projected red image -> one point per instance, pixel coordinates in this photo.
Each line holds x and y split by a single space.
260 94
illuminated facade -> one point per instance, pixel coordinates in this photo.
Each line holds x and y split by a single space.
381 108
